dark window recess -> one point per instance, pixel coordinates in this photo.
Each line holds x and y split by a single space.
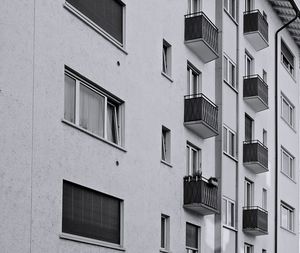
91 214
108 14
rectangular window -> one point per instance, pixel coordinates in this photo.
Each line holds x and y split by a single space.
166 145
287 216
229 141
265 137
228 212
193 80
264 251
229 72
91 214
192 238
248 5
248 248
265 76
287 111
91 108
194 6
248 65
249 193
264 199
248 128
287 163
165 230
166 59
287 58
105 14
193 159
230 7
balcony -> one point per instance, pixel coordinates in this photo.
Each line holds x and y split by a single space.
201 115
200 194
256 92
201 36
255 156
256 29
255 220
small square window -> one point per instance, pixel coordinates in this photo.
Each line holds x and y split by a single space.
166 59
166 145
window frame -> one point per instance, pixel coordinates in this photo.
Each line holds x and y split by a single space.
229 131
190 6
249 60
228 202
227 8
228 66
166 59
291 158
290 67
166 145
192 70
166 229
251 193
190 249
189 168
290 217
264 200
291 115
248 246
117 103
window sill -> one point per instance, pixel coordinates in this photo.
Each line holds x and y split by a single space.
94 26
291 75
231 87
91 241
231 157
167 76
166 163
230 228
293 180
232 18
290 231
93 135
291 127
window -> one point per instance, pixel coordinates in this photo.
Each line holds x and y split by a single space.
265 76
166 145
265 16
248 65
248 5
229 72
248 248
194 6
166 59
287 163
287 111
91 214
106 15
228 212
193 80
248 128
89 107
287 58
265 137
249 193
192 238
287 216
165 230
229 6
264 199
264 251
229 141
193 159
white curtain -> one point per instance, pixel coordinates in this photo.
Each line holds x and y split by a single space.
91 111
70 85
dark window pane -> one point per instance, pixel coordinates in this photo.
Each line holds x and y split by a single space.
287 53
191 236
90 214
108 14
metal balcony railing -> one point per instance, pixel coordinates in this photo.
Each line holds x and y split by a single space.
254 21
254 85
200 108
255 220
199 190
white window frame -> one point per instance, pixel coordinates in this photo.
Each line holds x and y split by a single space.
291 117
117 104
291 168
251 193
248 246
191 70
166 145
228 202
226 141
227 68
190 149
167 59
249 60
166 233
264 200
291 216
194 250
290 68
227 9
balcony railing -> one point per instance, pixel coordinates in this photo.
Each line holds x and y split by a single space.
255 156
256 92
255 220
256 29
201 35
200 194
201 115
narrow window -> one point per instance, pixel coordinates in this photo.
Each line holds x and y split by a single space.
194 6
192 238
248 248
229 74
287 216
248 65
264 199
166 145
287 111
287 163
249 193
228 212
166 59
91 214
287 58
165 225
193 160
248 5
265 137
193 80
248 128
230 6
265 76
229 141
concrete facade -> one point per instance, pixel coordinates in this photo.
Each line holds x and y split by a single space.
39 149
